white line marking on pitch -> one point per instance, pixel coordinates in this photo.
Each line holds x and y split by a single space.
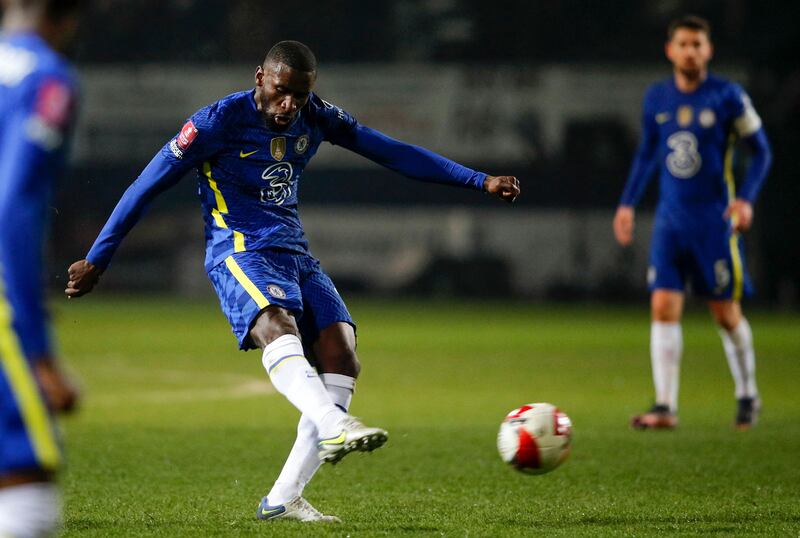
231 392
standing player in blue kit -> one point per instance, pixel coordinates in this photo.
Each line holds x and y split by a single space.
38 97
690 123
250 149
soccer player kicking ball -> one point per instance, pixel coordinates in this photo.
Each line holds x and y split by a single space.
690 123
37 110
250 149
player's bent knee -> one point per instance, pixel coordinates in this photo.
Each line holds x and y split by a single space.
272 323
726 314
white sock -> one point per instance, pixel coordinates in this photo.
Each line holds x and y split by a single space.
293 376
666 346
303 460
30 510
738 345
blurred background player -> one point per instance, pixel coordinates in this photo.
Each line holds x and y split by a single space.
690 123
37 109
250 149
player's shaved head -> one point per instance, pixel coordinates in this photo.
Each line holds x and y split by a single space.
689 22
292 54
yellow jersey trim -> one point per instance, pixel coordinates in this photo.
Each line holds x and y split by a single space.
23 386
738 273
736 257
246 283
222 207
727 168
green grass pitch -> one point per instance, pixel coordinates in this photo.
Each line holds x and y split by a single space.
180 434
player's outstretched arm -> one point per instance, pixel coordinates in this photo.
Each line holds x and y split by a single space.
83 275
505 187
624 224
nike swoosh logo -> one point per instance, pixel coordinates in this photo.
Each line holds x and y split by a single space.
243 155
278 510
335 441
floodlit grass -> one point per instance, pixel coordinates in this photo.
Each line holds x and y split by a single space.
180 434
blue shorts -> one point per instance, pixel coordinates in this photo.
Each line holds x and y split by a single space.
712 259
248 282
28 439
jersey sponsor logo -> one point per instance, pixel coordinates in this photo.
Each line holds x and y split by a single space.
707 118
276 291
15 64
301 144
244 155
662 117
684 161
187 135
277 147
279 177
685 115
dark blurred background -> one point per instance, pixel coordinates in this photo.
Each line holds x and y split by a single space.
548 91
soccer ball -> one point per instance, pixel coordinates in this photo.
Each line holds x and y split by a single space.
535 438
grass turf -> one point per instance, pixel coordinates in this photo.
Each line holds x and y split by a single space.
181 435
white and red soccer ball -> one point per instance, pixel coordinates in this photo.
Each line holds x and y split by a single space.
535 438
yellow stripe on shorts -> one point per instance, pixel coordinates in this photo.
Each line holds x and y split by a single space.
246 283
31 406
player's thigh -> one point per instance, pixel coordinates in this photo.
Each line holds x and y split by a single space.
666 270
718 269
251 283
324 311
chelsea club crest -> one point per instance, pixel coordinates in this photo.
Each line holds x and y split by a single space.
301 145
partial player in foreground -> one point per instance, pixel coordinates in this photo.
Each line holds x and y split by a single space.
250 149
37 106
690 123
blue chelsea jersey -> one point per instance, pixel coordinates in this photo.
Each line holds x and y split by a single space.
38 96
248 175
689 138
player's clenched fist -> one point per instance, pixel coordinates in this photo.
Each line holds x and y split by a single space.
506 187
741 212
83 275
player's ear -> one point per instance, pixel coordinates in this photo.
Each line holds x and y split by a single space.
259 76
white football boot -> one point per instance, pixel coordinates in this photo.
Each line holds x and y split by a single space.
297 509
353 437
